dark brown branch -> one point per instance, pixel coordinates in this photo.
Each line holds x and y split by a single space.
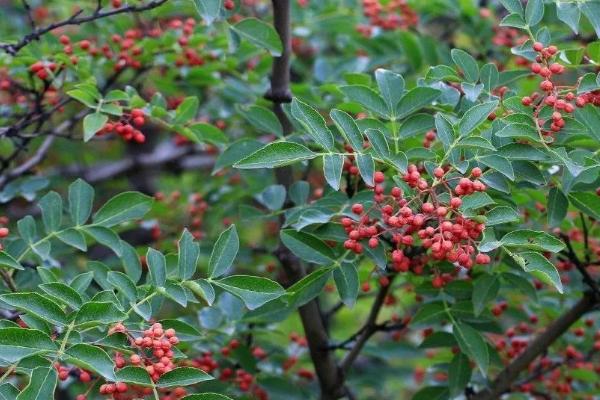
369 328
76 19
506 378
331 380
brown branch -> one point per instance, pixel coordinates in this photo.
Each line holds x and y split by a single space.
506 378
330 376
76 19
369 328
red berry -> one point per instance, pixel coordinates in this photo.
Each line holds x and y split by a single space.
537 46
357 208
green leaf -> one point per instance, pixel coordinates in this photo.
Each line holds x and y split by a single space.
91 358
131 261
273 197
445 131
98 313
429 313
540 267
6 260
519 131
534 12
123 207
533 240
378 142
188 254
366 167
8 391
185 331
366 97
347 283
307 247
224 252
123 283
459 374
467 64
476 200
587 202
72 237
205 133
501 215
489 76
475 116
347 126
63 293
41 385
522 284
415 125
391 86
36 304
51 206
432 393
157 265
208 9
87 97
105 236
591 10
236 152
254 291
262 119
183 376
92 123
557 207
203 289
259 33
415 99
187 110
308 287
314 124
134 375
276 154
332 168
473 344
18 343
485 289
499 164
514 6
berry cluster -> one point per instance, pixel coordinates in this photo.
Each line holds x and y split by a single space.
127 126
152 350
561 99
429 214
391 15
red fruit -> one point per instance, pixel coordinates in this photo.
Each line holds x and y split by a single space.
536 68
437 281
357 208
546 86
526 101
438 172
556 68
476 172
379 177
229 5
537 46
455 202
373 242
365 287
4 232
81 397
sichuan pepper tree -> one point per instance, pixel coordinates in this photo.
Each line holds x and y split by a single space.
241 199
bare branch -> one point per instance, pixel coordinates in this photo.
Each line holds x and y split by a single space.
76 19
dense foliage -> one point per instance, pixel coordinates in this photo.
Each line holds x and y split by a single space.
243 199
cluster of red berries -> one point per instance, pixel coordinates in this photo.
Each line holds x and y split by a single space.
560 98
508 37
391 15
153 350
127 126
43 69
424 215
429 139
